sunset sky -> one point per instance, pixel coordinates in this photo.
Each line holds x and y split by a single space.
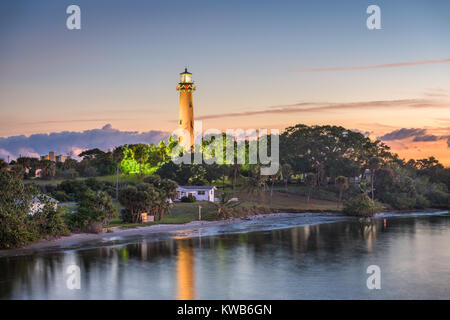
256 64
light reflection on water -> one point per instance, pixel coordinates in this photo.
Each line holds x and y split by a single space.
317 261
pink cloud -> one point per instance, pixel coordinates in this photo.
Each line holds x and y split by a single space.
379 66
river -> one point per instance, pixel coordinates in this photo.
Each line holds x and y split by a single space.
278 258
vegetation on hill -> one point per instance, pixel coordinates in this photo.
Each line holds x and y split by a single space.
320 167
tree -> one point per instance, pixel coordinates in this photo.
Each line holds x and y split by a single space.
310 181
70 164
49 219
256 183
225 206
3 164
138 199
234 172
329 151
118 157
342 184
47 167
166 189
95 208
141 155
274 177
18 171
374 165
16 226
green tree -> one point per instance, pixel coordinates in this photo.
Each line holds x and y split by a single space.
138 199
49 220
16 226
141 155
95 208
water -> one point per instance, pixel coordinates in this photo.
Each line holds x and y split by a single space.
287 258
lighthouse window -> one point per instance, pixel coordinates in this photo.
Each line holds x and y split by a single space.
192 126
181 121
190 105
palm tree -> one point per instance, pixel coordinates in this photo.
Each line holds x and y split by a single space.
274 177
225 206
141 155
310 181
342 184
118 157
234 172
374 165
256 183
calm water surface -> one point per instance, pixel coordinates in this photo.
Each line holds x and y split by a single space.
270 259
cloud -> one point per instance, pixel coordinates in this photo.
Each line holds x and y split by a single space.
426 138
402 133
417 135
302 107
74 142
378 66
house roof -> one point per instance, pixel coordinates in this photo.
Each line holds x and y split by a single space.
37 198
197 187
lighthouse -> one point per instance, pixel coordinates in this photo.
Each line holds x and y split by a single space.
186 111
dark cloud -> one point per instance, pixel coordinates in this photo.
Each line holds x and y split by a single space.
428 137
418 135
402 133
73 142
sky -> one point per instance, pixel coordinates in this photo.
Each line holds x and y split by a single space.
256 64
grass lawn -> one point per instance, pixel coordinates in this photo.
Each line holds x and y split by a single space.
288 200
181 213
187 212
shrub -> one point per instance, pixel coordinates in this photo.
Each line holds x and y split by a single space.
361 206
69 174
126 216
438 199
16 226
96 207
190 198
49 221
61 196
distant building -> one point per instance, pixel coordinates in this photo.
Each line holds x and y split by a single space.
62 158
52 156
201 193
55 158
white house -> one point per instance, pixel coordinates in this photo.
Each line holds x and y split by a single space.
201 193
36 205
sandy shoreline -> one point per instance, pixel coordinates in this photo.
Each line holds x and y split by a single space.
85 240
77 240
